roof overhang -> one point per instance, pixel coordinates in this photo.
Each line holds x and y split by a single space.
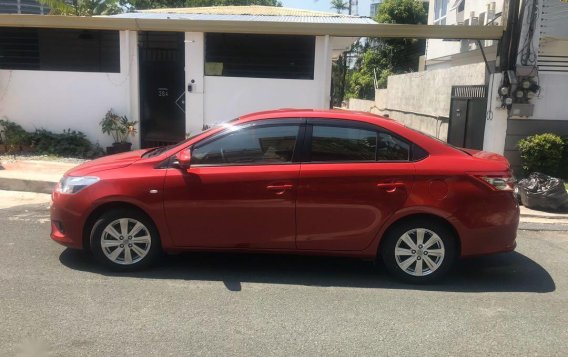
264 27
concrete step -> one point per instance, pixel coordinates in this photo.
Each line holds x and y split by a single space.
32 175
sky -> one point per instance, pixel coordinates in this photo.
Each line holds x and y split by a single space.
323 5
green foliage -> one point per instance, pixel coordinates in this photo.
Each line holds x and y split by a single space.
153 4
13 135
541 153
564 161
118 127
339 5
85 7
111 7
70 143
388 57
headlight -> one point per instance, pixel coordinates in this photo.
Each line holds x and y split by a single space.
74 184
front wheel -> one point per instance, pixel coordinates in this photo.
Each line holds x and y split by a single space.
125 240
419 251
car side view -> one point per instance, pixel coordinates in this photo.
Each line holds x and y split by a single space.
294 181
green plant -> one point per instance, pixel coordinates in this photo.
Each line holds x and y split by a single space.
564 161
13 135
70 143
541 153
118 127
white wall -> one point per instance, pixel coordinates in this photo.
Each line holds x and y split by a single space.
57 100
226 98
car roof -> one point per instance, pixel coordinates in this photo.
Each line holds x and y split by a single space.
287 113
426 142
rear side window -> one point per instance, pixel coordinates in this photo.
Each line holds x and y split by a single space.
333 143
250 145
391 148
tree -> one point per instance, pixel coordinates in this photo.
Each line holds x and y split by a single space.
339 5
391 56
152 4
83 7
111 7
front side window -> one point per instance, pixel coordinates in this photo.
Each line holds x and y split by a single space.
333 143
272 144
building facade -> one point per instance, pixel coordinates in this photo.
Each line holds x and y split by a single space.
173 83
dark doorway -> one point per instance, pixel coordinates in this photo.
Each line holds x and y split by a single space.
468 111
162 88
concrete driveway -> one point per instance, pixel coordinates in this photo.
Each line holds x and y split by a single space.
55 301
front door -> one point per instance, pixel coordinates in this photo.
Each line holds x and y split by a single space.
162 88
239 192
355 178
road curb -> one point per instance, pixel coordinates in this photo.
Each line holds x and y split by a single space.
17 184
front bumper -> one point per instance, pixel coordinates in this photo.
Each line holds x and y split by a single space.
66 222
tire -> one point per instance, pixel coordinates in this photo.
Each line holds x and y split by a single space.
131 240
412 262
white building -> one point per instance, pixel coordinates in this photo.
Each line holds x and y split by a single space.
157 69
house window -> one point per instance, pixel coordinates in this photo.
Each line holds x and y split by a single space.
440 12
59 50
259 56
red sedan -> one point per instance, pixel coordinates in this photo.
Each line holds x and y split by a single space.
294 181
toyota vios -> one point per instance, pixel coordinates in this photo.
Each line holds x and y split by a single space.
294 181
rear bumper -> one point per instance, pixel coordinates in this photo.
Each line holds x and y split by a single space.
493 230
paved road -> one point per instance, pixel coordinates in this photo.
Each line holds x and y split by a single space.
58 301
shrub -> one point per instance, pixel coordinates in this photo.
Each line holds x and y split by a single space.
564 161
13 135
70 143
541 153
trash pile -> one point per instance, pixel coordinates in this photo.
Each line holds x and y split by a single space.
542 192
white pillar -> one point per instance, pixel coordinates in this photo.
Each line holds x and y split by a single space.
322 70
194 77
496 119
129 69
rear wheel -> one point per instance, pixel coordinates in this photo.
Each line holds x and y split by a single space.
419 251
125 240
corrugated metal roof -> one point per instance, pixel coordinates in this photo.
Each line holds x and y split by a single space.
247 10
249 18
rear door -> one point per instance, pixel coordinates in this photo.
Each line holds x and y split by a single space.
353 177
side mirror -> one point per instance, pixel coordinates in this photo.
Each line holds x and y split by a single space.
184 158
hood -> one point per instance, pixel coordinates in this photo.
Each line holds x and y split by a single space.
106 163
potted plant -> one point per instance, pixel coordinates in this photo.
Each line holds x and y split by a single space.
120 129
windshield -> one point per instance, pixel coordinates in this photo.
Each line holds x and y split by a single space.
159 150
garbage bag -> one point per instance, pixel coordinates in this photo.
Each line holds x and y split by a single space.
543 192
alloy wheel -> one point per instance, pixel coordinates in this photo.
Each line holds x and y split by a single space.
419 252
126 241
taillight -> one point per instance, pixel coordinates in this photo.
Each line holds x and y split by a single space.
498 182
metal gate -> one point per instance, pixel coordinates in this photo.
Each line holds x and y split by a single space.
468 110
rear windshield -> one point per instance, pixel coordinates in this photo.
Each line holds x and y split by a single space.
440 141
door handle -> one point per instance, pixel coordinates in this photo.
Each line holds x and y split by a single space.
391 187
280 189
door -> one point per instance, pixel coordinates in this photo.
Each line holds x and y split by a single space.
162 88
239 192
356 177
468 109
